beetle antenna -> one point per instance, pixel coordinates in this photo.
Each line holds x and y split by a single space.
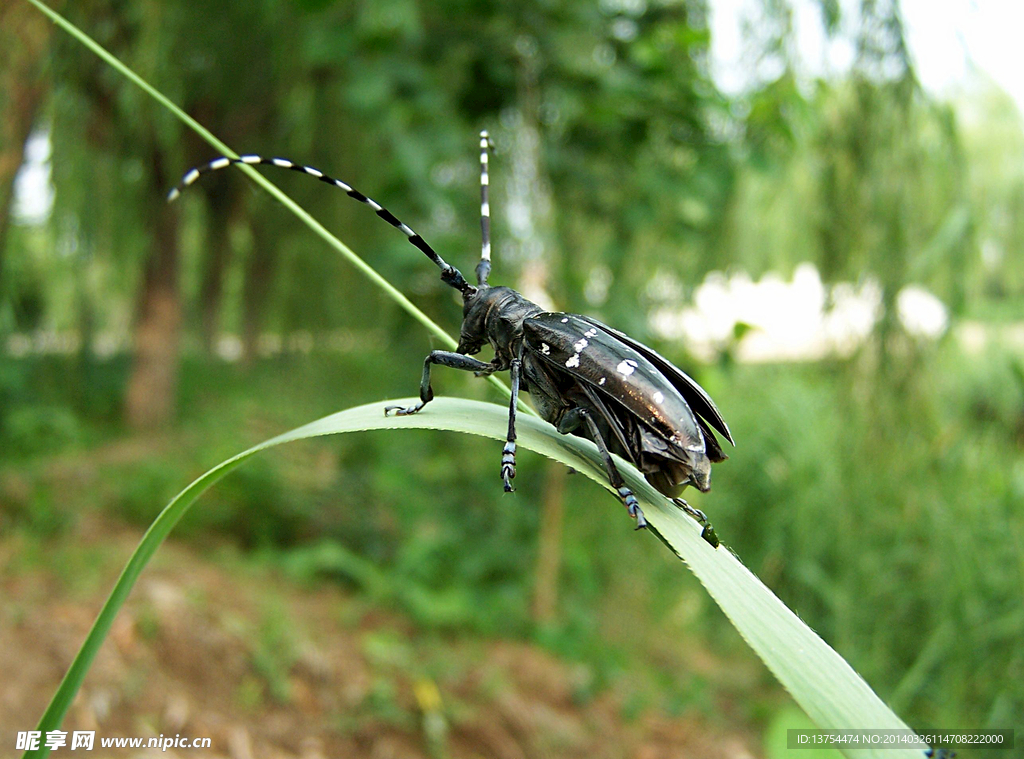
449 274
484 267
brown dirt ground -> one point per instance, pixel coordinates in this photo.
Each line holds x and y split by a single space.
200 651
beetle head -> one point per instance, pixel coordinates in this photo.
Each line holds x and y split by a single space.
493 315
476 304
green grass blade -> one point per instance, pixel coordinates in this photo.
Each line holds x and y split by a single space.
265 183
821 682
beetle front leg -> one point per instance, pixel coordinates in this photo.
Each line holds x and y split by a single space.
508 453
443 358
572 420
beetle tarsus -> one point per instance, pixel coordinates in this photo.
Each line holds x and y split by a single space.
695 513
633 507
508 465
708 533
403 410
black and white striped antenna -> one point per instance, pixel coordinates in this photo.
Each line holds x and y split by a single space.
449 274
483 269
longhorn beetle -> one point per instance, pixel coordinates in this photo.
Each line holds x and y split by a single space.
585 378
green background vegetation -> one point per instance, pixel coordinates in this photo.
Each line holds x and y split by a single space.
880 495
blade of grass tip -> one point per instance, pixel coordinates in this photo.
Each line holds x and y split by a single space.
821 682
266 184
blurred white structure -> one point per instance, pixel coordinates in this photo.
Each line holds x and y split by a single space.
947 39
801 320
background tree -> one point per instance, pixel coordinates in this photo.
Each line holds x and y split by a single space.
24 38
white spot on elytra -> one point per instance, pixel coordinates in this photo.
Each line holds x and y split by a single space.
590 333
627 367
602 380
578 347
545 349
573 361
565 321
659 397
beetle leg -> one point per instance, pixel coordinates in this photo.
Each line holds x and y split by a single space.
695 513
574 418
708 533
508 453
444 358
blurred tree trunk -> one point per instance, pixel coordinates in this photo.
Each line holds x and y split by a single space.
549 554
153 383
218 257
532 224
24 40
259 274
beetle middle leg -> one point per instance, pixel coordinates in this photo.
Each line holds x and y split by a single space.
571 421
443 358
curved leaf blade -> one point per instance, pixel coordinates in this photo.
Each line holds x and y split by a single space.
821 682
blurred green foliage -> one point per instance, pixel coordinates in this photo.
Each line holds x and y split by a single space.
891 524
880 495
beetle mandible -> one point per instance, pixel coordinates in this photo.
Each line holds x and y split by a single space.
585 378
